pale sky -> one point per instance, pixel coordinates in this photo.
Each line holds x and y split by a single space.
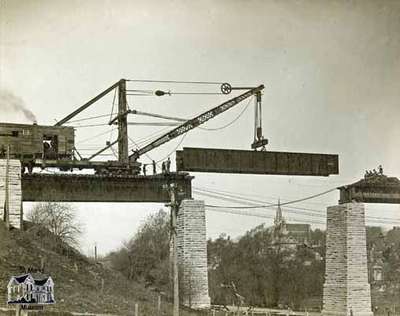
331 71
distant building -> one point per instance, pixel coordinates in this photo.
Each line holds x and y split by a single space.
25 289
300 232
377 272
289 236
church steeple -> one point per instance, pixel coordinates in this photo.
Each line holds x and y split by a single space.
279 220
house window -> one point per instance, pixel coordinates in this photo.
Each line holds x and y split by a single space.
377 274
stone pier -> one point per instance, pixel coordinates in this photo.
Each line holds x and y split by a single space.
346 289
192 254
14 192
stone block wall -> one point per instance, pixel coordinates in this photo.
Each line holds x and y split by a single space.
346 288
14 191
192 254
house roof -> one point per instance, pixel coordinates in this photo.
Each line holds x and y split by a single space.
22 278
41 282
298 227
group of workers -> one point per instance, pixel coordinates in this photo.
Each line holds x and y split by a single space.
165 167
370 173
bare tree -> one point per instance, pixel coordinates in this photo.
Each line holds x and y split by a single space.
59 219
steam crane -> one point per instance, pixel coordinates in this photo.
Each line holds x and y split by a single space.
54 146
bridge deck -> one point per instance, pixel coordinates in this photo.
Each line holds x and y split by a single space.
373 189
96 188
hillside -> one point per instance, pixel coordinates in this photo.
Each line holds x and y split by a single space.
80 284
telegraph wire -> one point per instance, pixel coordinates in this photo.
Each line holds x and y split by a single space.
238 212
291 209
239 197
253 214
275 205
235 194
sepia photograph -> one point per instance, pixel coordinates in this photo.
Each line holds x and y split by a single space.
200 158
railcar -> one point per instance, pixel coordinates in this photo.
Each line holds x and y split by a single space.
29 142
52 147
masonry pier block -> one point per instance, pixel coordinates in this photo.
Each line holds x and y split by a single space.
192 254
346 289
14 192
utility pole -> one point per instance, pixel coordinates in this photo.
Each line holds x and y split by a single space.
122 124
174 204
7 193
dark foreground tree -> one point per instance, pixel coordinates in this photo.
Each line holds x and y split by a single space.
146 256
60 219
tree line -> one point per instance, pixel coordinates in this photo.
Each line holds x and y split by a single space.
253 269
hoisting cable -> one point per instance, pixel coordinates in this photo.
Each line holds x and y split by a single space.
174 81
97 135
174 150
225 88
89 125
137 147
151 136
162 93
159 116
113 104
153 123
178 119
170 153
194 93
89 118
230 123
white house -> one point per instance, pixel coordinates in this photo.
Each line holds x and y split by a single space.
25 289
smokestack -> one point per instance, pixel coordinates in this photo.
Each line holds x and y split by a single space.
11 103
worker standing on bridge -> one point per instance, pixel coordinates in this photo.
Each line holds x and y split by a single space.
163 167
144 169
168 165
154 167
3 151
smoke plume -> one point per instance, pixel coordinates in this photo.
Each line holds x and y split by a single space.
11 104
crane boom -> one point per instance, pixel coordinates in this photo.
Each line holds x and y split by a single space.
193 123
